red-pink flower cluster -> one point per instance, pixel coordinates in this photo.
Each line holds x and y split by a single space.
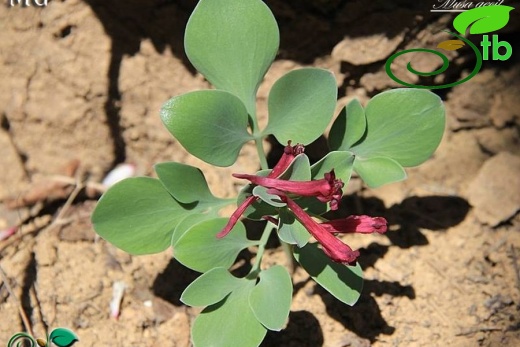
327 189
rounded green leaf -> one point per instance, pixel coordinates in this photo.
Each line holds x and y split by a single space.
199 249
482 20
230 322
349 127
184 182
298 170
138 215
301 105
210 124
290 230
339 161
402 124
232 43
271 199
271 298
190 220
210 287
62 337
343 282
378 171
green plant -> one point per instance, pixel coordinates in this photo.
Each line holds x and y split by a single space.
232 43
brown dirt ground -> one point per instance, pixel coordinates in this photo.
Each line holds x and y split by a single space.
84 80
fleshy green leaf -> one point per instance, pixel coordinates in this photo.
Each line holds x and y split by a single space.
230 322
199 249
299 170
232 43
349 127
290 230
184 182
402 124
341 162
62 337
210 287
378 171
271 199
210 124
301 105
138 215
186 223
271 298
482 20
342 281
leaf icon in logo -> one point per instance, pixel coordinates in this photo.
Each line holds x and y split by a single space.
62 337
482 20
451 45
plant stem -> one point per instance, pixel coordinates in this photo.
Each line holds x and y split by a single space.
261 248
287 249
253 123
261 154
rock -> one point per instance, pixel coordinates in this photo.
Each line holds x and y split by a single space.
489 98
361 50
494 191
494 140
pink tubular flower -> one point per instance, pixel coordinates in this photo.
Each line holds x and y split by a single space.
236 215
289 153
326 189
332 246
357 224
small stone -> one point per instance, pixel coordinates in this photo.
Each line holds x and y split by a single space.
362 50
494 191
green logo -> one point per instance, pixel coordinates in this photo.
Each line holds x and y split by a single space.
61 337
480 20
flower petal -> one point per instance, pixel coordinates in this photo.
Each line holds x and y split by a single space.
332 246
357 224
326 189
289 153
236 216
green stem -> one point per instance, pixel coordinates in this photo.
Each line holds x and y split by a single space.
287 249
261 154
253 123
261 248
